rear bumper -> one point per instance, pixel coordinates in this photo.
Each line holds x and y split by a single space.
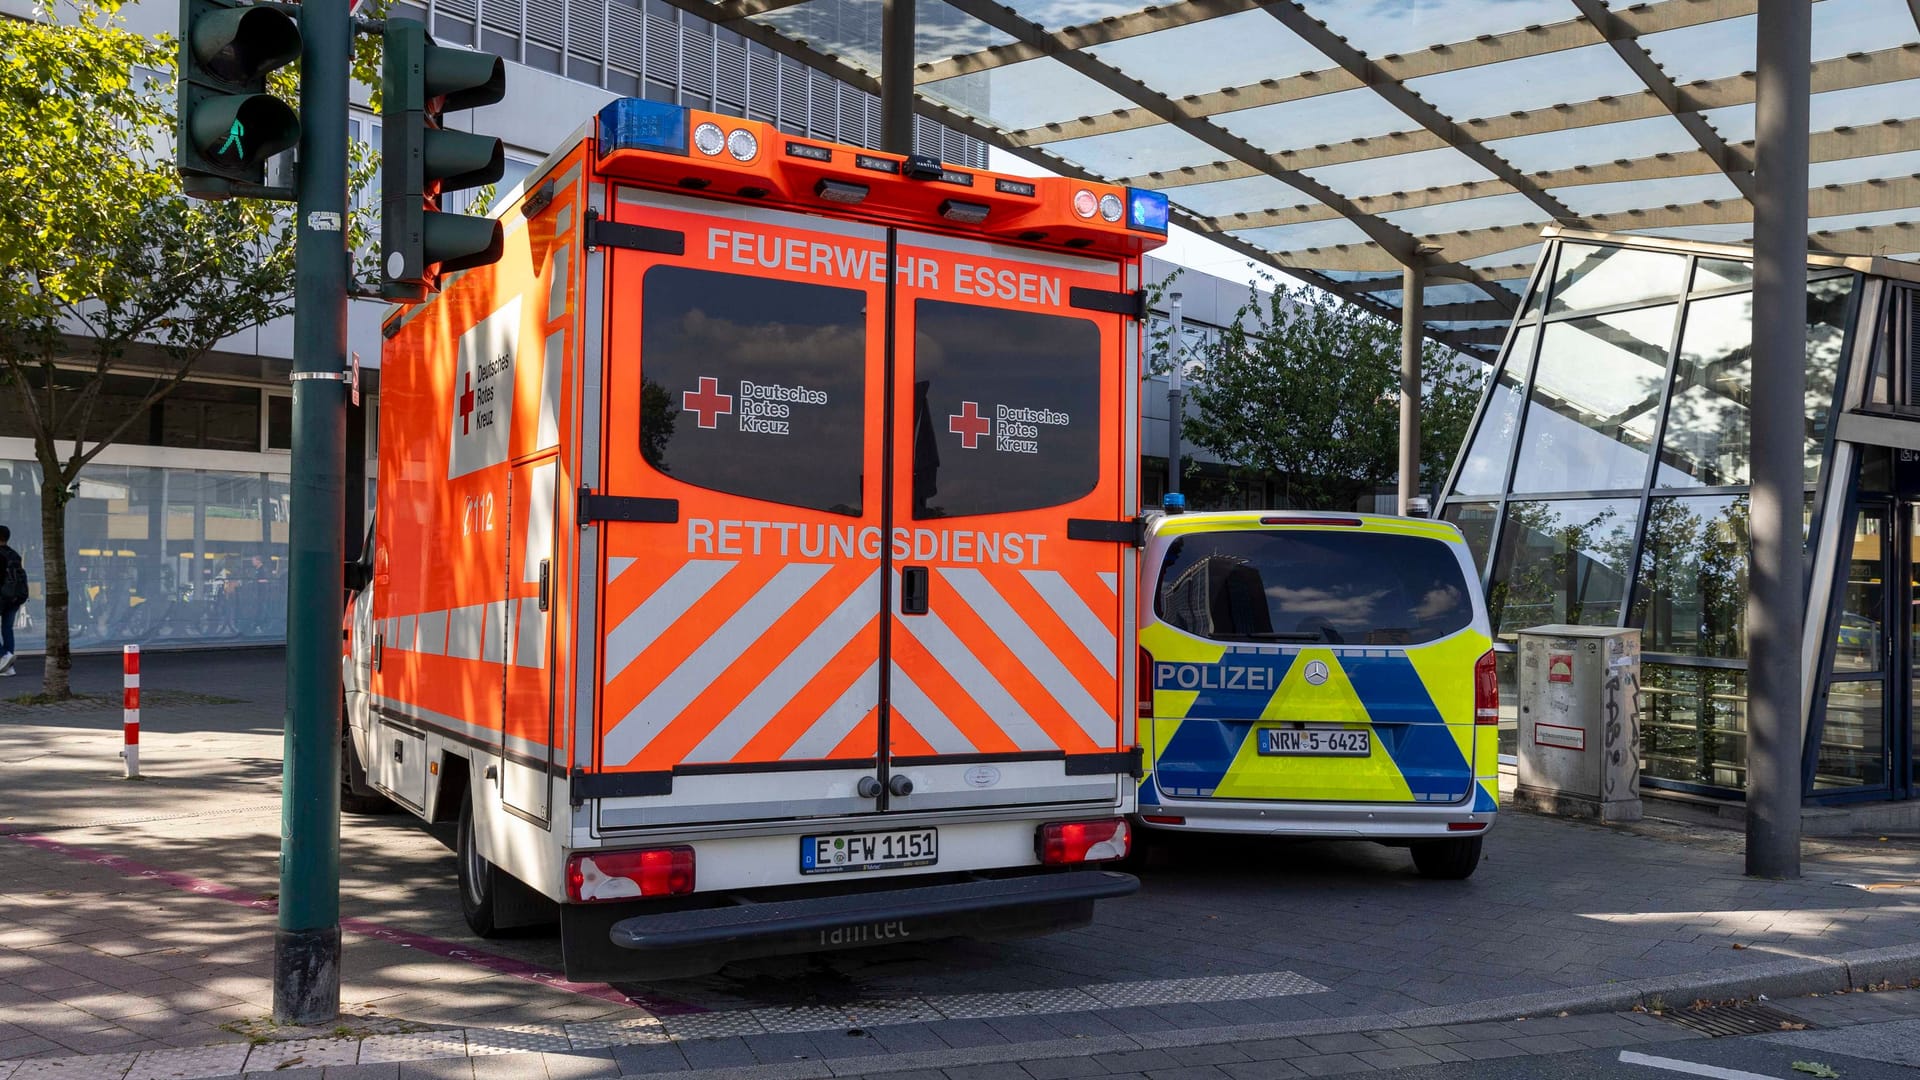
1348 821
634 942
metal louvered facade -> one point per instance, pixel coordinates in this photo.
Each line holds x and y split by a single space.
653 49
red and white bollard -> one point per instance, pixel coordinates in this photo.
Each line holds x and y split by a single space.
130 708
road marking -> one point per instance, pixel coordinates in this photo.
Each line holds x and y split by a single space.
1691 1068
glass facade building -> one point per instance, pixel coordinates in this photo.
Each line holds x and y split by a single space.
1605 482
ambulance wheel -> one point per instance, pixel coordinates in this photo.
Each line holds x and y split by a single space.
1448 860
353 781
479 880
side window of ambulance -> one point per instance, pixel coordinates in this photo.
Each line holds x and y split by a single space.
1334 588
754 387
1006 409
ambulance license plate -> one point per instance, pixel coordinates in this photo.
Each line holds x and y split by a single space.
1323 742
842 853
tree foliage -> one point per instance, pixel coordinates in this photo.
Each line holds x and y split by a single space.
110 272
1307 385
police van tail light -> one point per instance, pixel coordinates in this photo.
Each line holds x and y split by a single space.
1486 691
1143 684
1061 843
622 875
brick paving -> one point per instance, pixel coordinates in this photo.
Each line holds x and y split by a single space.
96 960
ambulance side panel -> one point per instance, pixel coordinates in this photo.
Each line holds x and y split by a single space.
475 549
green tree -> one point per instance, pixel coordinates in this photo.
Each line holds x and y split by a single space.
110 273
1308 385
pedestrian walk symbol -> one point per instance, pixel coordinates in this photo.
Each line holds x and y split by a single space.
233 140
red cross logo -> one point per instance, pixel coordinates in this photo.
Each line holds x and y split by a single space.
969 425
707 404
466 407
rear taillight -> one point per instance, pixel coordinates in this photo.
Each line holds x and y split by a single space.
1465 826
1143 684
622 875
1486 691
1064 842
1162 819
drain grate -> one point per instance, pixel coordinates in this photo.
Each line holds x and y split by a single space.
1738 1018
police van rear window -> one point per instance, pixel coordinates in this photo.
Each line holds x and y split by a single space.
754 387
1313 587
1006 409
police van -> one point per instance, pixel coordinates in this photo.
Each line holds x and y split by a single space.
754 566
1318 675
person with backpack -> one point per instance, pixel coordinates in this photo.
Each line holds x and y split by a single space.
13 596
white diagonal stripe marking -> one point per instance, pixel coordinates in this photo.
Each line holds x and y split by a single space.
1691 1068
1081 619
807 660
840 718
640 629
986 602
913 704
980 685
714 656
1112 582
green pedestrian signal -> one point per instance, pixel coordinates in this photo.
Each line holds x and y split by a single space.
228 124
421 161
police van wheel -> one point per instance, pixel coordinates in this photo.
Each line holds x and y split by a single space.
477 877
1448 860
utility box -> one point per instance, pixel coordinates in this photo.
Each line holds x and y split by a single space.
1579 737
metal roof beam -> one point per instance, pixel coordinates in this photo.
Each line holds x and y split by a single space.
1112 28
1412 105
1641 61
1897 64
1473 309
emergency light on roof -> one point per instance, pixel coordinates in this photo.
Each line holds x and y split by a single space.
965 213
638 124
840 191
1146 210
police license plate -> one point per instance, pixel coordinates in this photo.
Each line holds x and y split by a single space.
1326 742
841 853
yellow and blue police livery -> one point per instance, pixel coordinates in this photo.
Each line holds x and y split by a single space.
1318 675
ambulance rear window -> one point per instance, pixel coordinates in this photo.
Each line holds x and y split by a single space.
1006 409
1314 587
755 387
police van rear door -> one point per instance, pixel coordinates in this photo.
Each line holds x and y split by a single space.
1012 419
741 577
1304 660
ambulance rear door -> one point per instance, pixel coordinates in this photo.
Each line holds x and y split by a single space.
740 619
1014 437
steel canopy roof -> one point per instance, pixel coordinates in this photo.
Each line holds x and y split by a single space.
1340 140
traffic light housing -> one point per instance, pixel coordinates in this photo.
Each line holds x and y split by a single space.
228 125
421 161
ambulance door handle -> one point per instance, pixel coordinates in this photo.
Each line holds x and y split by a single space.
913 590
546 582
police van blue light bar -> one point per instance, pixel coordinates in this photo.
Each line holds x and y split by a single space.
1146 210
639 124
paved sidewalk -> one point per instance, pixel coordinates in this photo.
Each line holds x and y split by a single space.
136 922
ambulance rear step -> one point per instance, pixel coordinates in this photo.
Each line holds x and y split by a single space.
697 941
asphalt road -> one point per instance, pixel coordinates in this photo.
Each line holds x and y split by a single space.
1885 1051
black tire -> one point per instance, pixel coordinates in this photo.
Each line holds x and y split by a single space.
352 773
479 880
1448 860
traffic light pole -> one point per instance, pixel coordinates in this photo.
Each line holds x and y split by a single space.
306 962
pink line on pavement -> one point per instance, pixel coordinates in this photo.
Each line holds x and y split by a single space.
504 965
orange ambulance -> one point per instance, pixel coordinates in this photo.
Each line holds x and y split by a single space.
754 558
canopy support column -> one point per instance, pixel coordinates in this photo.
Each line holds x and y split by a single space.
896 76
1412 283
1776 615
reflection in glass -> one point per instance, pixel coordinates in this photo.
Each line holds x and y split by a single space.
1693 725
1475 522
1595 277
1485 470
1853 741
1597 391
1708 435
1721 274
1562 562
1860 642
1826 335
1692 597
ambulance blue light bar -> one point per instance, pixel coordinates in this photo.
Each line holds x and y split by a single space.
1146 210
639 124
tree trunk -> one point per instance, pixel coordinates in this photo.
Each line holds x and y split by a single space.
53 542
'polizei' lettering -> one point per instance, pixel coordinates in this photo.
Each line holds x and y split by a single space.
1212 677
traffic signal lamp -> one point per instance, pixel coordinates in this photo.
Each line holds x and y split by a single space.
228 124
422 161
